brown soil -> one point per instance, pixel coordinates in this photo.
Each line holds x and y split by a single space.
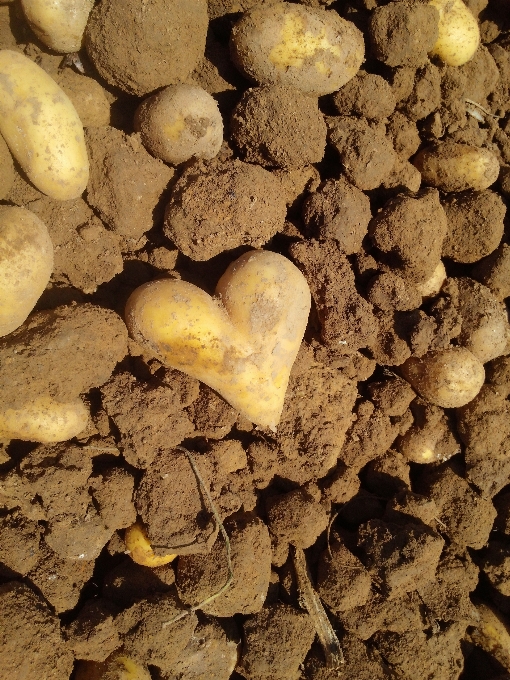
400 553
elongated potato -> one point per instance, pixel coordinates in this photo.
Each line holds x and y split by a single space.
44 420
41 128
310 49
451 166
26 264
459 35
59 24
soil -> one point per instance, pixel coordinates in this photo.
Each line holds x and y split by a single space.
402 507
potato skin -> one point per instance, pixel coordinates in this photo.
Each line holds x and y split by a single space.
459 35
59 24
41 128
26 264
451 166
309 49
180 122
44 420
449 378
243 348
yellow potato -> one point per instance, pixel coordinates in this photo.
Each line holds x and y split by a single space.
459 35
118 666
492 633
450 166
59 24
448 378
26 264
179 122
44 420
243 347
431 287
41 128
312 50
140 548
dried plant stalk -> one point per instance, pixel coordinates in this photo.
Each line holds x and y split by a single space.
311 601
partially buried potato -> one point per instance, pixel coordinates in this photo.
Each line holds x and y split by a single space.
312 50
448 378
242 345
26 264
180 122
451 166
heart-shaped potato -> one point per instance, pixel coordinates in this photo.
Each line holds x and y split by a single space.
243 344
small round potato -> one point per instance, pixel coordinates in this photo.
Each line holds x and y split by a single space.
59 24
448 378
41 128
26 264
451 166
44 420
180 122
312 50
459 35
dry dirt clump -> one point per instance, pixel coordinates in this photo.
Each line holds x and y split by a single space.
401 34
475 225
167 51
366 153
401 505
121 167
62 353
339 211
277 126
213 209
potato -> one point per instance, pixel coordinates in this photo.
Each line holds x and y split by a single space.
312 50
244 346
117 666
485 330
492 634
140 549
41 128
44 420
26 264
59 24
459 35
179 122
450 166
431 287
448 378
7 172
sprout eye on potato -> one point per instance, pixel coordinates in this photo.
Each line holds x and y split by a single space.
26 264
180 122
450 166
41 128
59 24
459 35
312 50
